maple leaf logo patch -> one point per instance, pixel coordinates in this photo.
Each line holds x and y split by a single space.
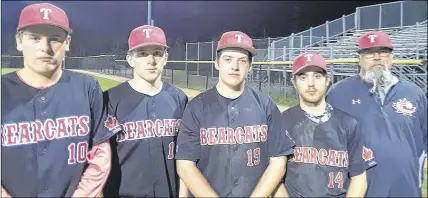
404 107
367 154
111 124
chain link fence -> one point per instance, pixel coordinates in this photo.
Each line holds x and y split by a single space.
388 15
274 80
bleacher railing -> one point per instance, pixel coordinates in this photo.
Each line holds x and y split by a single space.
388 15
313 36
393 14
335 40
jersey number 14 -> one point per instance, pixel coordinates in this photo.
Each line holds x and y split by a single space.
335 179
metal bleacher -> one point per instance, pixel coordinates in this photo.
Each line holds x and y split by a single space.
409 42
336 40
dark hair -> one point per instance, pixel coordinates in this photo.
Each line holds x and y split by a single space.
323 72
21 31
250 56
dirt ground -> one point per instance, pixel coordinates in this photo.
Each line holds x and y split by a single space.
190 93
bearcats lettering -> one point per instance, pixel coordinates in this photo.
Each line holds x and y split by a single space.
240 135
321 156
148 128
32 132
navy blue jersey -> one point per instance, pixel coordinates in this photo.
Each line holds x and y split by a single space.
46 133
232 140
396 132
329 150
143 161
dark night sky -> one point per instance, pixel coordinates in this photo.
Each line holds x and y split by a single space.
96 24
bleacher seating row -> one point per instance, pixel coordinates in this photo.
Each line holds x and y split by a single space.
409 43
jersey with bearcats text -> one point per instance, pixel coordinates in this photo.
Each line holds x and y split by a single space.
143 152
232 140
47 133
329 149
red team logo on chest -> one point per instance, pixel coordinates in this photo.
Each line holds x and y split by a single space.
33 132
405 107
240 135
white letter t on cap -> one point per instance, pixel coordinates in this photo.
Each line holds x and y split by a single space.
147 31
46 12
308 57
372 37
238 37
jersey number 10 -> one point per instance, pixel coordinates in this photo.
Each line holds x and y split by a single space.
77 153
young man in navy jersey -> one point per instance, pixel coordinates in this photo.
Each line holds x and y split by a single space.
330 158
149 112
54 137
232 141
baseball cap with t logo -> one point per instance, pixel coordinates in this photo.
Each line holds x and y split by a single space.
308 59
43 13
374 39
236 39
146 35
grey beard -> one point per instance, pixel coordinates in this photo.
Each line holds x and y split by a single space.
379 77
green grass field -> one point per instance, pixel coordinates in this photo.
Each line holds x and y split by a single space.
104 82
107 83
